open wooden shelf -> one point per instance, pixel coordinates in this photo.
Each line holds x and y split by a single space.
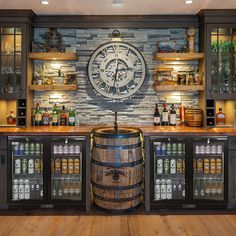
53 87
178 87
52 56
178 56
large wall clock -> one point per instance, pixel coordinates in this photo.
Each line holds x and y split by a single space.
116 70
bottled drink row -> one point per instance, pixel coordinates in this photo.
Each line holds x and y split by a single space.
208 189
21 149
169 189
162 149
66 149
64 166
55 117
209 149
28 166
66 188
170 166
207 166
27 189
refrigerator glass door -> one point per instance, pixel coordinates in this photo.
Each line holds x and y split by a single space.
169 169
208 169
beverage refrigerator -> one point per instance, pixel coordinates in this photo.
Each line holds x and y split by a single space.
188 172
46 172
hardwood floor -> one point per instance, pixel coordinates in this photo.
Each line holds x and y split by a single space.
122 225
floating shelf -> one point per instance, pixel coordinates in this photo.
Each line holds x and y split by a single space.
179 87
53 56
178 56
53 87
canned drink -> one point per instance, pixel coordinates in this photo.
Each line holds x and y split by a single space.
37 168
174 148
199 166
76 166
218 166
52 166
64 166
37 149
172 166
32 149
212 166
15 190
27 152
21 149
31 166
159 166
168 149
17 166
194 166
206 166
179 166
179 148
24 166
70 166
166 166
57 166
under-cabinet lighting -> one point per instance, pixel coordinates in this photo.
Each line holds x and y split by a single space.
188 1
117 3
45 2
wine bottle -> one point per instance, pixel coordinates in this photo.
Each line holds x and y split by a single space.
164 121
63 116
71 118
157 118
55 117
172 115
38 116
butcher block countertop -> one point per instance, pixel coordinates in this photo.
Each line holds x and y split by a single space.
147 130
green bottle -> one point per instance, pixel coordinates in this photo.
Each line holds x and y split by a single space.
55 116
71 118
38 116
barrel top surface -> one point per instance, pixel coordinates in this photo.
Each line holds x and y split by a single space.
110 132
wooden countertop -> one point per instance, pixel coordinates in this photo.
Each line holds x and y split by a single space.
147 130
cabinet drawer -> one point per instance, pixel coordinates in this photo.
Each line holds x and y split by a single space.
3 142
232 143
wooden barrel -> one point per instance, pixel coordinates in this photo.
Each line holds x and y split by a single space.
194 117
117 168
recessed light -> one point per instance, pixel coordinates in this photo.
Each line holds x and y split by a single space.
117 3
45 2
188 1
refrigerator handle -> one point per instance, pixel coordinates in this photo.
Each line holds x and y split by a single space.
2 159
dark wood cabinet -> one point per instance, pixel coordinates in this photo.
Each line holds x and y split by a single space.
3 172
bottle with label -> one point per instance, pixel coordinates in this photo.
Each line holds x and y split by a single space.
165 119
220 117
38 116
55 116
157 118
172 115
46 117
173 166
27 189
11 118
163 189
63 117
157 190
15 190
182 114
168 189
159 166
71 117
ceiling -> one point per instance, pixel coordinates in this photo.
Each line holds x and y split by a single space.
105 7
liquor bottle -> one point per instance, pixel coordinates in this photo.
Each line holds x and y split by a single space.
220 117
46 117
38 116
172 115
182 114
55 117
164 121
11 118
157 118
63 117
71 118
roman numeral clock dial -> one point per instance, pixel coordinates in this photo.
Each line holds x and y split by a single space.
116 70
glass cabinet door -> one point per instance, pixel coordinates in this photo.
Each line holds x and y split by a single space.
223 60
27 169
169 169
66 169
10 60
208 169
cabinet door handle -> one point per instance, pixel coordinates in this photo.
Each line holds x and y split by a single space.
2 159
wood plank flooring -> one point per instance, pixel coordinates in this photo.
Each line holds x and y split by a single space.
122 225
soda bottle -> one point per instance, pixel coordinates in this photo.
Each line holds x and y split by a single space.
163 189
24 166
163 149
27 189
173 166
27 148
168 148
168 189
15 190
166 166
174 148
157 190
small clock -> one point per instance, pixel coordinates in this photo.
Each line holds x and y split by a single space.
116 70
191 31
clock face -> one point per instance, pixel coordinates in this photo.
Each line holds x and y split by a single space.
116 70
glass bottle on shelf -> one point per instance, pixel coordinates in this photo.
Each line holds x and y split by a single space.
164 121
71 117
182 113
63 117
46 117
220 117
11 119
157 118
38 116
55 116
172 116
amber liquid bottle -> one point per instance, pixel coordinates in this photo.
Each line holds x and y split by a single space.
220 117
63 117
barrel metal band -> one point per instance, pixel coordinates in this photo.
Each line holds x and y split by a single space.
118 147
117 187
116 136
117 199
118 165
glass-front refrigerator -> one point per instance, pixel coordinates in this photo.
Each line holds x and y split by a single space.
168 167
210 171
66 169
26 182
